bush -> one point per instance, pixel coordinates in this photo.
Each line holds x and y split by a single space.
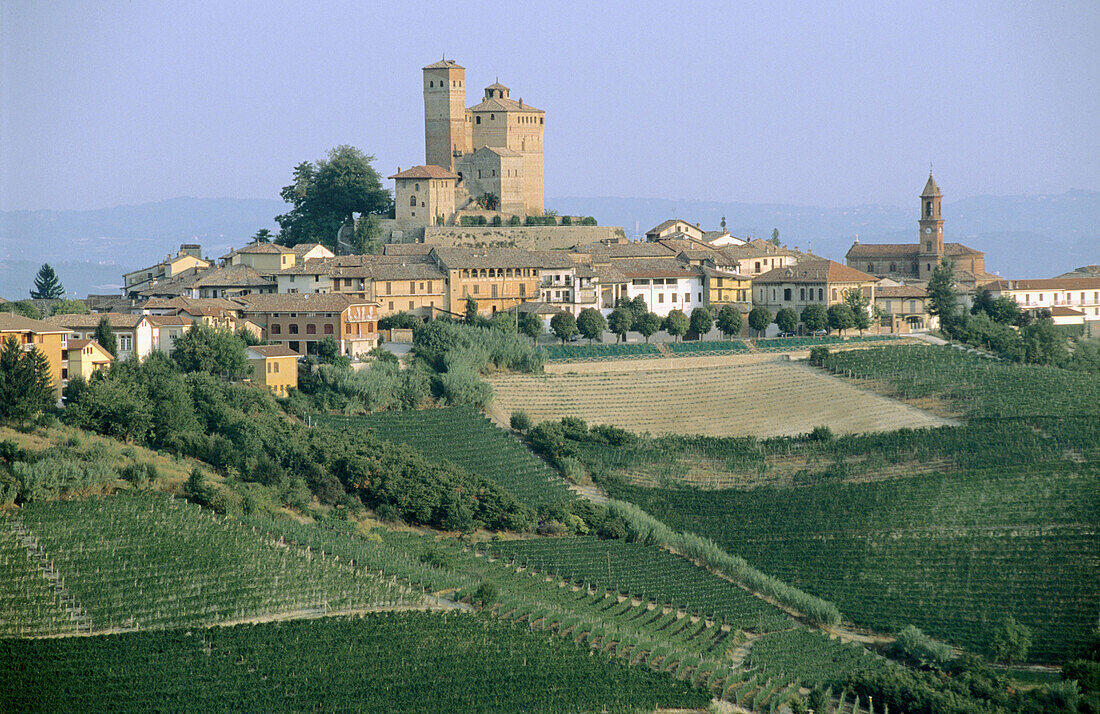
820 433
818 355
486 594
520 421
917 648
139 474
1009 641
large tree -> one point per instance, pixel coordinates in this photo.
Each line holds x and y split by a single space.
729 320
530 325
841 317
701 321
619 322
46 285
105 336
205 349
858 302
262 236
814 317
591 323
942 300
563 325
677 324
648 325
69 307
26 387
759 319
327 194
786 319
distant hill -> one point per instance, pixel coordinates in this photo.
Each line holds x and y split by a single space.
1023 236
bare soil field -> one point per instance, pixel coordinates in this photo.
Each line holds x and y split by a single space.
713 396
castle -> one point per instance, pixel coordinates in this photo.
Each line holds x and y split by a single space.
493 148
916 261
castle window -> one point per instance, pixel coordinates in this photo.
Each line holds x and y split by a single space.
928 208
928 245
893 267
416 187
821 294
412 201
431 84
492 116
870 267
786 294
479 120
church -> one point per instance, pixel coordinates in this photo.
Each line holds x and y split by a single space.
910 262
490 150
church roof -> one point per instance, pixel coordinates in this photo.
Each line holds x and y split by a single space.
500 104
904 250
500 150
425 172
445 64
930 188
497 85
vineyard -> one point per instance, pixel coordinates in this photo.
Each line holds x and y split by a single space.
702 347
974 385
951 553
573 353
393 662
761 399
145 561
469 440
811 657
645 572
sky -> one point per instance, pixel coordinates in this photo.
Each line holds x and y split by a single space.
816 104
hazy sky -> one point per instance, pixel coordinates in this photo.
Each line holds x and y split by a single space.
827 103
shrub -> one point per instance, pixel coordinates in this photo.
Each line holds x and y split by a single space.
820 433
520 421
1009 641
818 355
919 649
139 474
486 594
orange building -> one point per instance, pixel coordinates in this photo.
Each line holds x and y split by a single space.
301 320
47 338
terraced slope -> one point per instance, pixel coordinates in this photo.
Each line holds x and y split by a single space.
771 398
469 440
951 553
138 561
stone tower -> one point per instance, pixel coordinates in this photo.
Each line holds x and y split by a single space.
505 123
444 113
930 250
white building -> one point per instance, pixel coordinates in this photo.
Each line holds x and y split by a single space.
1080 294
666 284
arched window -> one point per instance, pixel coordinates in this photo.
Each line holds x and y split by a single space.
431 84
412 201
416 187
928 208
479 120
870 267
893 267
492 116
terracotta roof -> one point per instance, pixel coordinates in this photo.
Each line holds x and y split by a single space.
312 266
536 307
459 258
656 268
755 249
425 172
259 249
714 273
445 64
669 223
81 344
959 249
303 248
499 151
619 251
554 259
174 285
1063 311
10 322
278 350
182 302
299 302
1092 283
115 319
901 291
500 104
407 249
609 274
930 187
816 271
232 276
167 320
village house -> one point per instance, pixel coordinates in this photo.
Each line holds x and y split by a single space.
300 321
819 282
274 366
47 337
189 258
229 282
666 284
495 278
134 334
83 358
1080 294
904 308
266 258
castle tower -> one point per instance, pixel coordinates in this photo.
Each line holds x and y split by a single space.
930 249
501 122
444 113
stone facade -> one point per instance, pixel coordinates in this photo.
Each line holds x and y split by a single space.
424 195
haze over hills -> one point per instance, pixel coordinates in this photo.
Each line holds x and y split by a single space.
1023 236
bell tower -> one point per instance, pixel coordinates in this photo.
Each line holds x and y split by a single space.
930 249
444 113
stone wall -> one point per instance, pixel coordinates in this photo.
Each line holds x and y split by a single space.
530 237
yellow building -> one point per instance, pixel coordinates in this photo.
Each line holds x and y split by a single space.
275 367
496 278
83 358
188 258
262 257
721 287
48 339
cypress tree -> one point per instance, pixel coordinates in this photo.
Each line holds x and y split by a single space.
46 285
105 336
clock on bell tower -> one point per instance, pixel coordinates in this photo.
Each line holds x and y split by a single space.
930 249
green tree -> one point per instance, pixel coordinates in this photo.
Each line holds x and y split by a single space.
759 319
1009 641
46 285
112 407
328 351
841 317
1042 344
488 201
531 325
327 194
677 324
105 336
26 386
942 300
26 308
65 306
563 325
591 323
262 236
701 321
786 319
471 311
205 349
855 299
729 320
982 300
619 322
247 336
1004 310
368 234
505 321
648 325
775 237
814 317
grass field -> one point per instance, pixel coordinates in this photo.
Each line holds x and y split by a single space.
391 662
767 398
